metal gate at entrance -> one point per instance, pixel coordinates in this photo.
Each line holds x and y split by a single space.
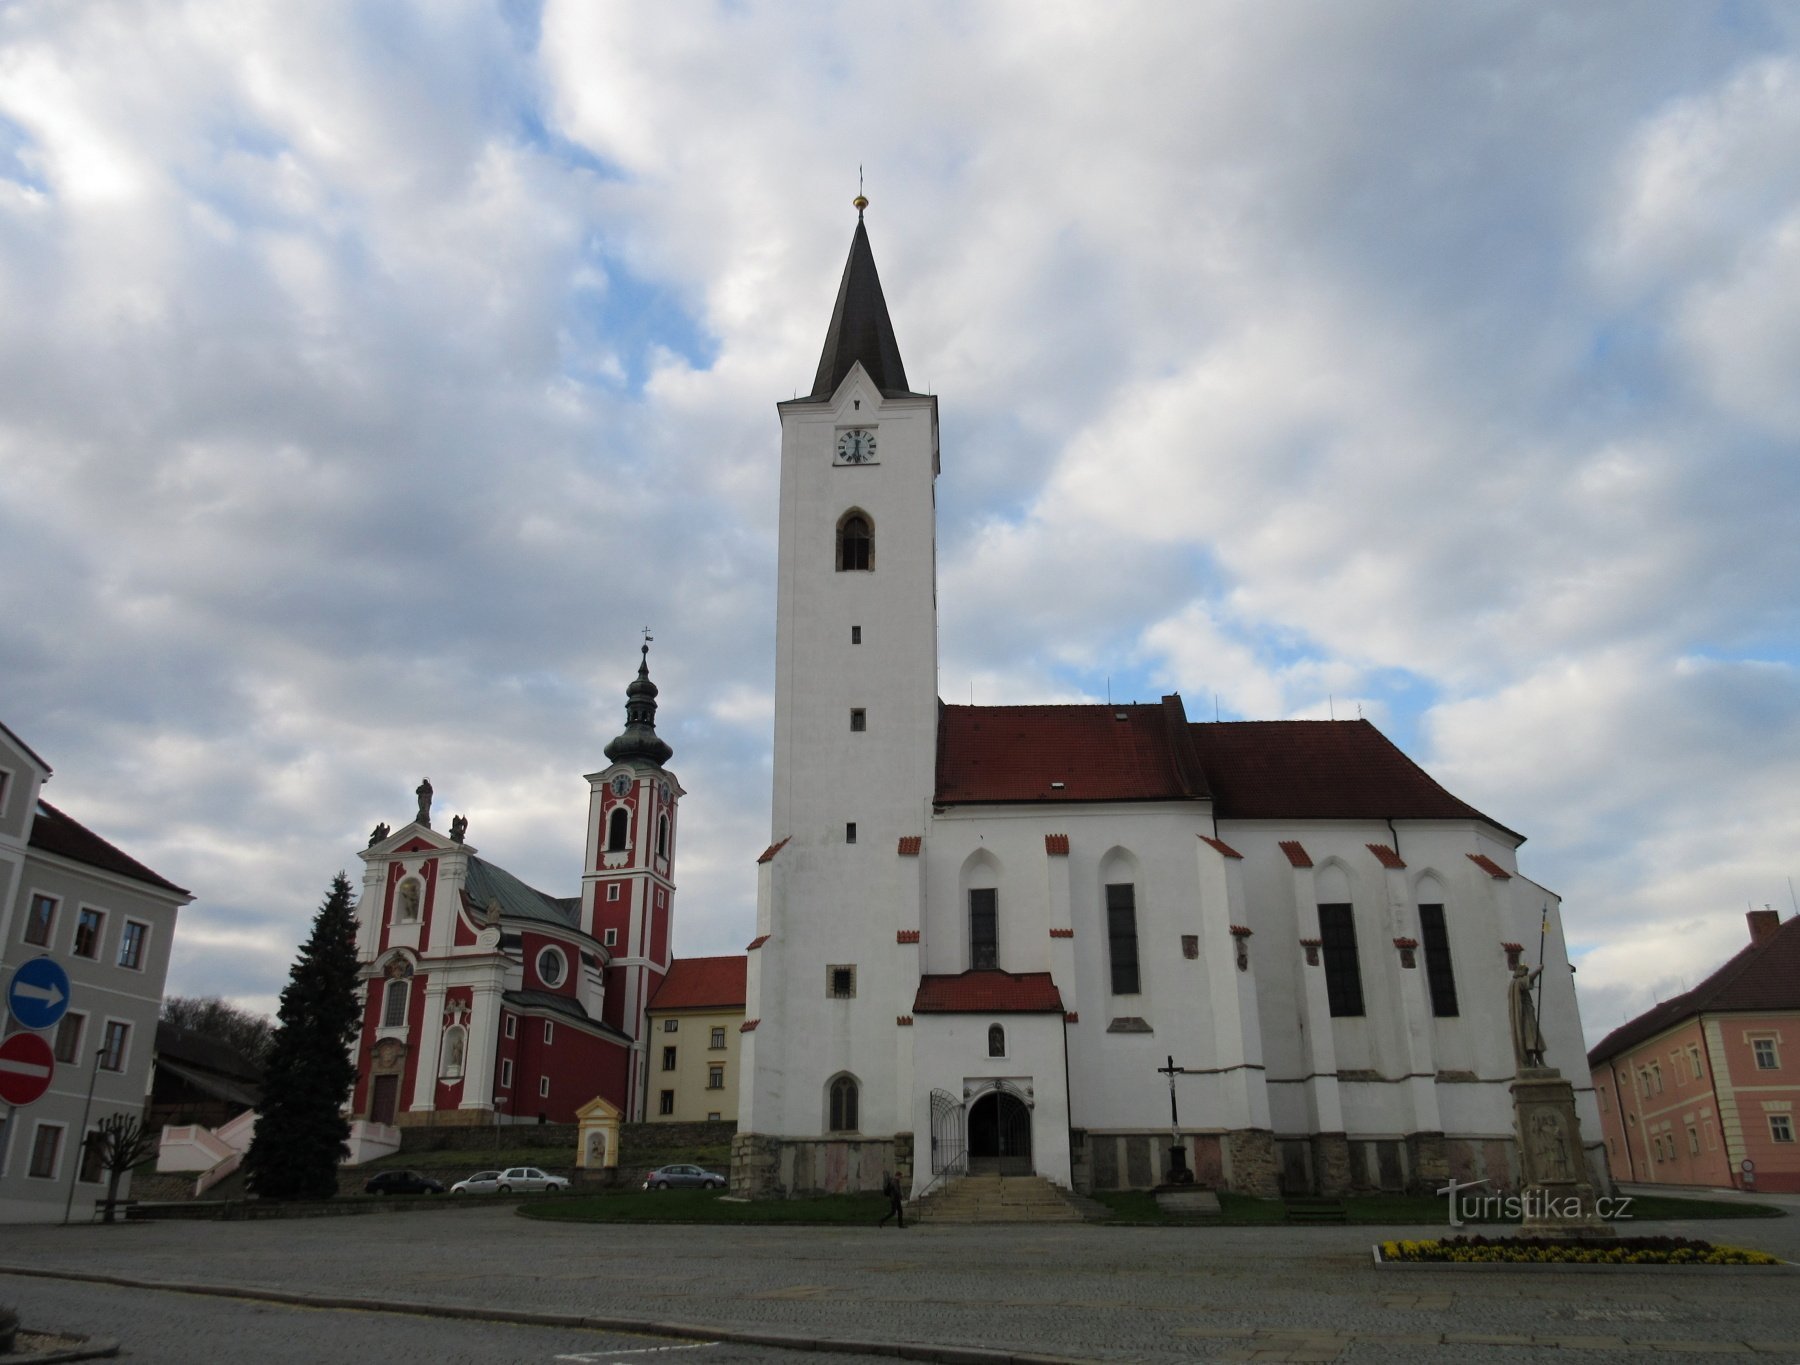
999 1135
948 1152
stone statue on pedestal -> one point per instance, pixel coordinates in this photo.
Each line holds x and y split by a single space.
423 792
1557 1194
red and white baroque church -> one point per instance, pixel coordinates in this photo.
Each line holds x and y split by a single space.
486 1000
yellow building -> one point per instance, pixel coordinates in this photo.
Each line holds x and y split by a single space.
695 1020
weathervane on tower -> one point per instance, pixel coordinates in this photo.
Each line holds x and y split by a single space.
861 201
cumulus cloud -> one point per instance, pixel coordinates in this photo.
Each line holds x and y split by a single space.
369 377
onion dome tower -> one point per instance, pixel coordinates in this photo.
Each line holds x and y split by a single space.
639 739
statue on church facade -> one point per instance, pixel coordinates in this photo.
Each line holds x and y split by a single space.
423 792
459 826
380 832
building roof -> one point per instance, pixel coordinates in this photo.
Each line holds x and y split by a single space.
1761 976
702 983
565 1006
1133 752
860 328
487 882
988 992
1252 770
56 833
24 748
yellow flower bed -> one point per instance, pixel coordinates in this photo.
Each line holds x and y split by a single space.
1538 1251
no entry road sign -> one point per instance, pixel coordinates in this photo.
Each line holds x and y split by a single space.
26 1067
39 993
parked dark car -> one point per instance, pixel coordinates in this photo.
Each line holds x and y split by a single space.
665 1177
402 1182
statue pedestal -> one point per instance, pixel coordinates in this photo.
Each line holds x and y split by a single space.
1557 1194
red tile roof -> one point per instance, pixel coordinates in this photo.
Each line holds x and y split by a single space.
1489 866
906 936
910 845
1066 753
769 853
1222 847
1056 845
701 983
1062 933
1762 976
1253 770
68 838
1387 857
988 992
756 943
1295 853
749 1026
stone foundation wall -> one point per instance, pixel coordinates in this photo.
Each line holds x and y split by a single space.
765 1167
1250 1166
1427 1161
1331 1164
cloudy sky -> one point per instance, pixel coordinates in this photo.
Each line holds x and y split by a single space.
370 374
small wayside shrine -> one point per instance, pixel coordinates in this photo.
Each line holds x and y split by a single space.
991 938
486 1000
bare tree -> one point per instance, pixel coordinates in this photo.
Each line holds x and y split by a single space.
243 1032
122 1141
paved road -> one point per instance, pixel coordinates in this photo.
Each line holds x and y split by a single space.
156 1327
1080 1292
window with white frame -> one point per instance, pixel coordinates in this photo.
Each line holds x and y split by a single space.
394 1014
1694 1061
89 925
552 966
506 1073
715 1076
512 1026
611 938
132 939
671 1026
543 1087
718 1038
996 1041
1767 1058
46 1147
1781 1127
549 1031
113 1047
612 891
68 1036
40 920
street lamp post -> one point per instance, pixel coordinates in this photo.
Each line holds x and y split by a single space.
81 1136
498 1101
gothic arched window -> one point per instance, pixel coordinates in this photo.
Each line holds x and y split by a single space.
996 1041
855 542
618 831
843 1105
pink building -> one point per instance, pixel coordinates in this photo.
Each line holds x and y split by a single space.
1701 1089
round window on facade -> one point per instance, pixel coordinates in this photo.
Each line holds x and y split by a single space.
550 967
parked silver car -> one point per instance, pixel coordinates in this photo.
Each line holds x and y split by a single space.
666 1177
482 1182
529 1178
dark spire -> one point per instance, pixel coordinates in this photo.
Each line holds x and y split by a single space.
860 329
639 738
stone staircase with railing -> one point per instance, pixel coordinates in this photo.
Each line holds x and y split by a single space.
998 1199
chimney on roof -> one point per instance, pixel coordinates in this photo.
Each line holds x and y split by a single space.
1764 925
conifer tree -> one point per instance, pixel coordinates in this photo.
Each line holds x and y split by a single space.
301 1131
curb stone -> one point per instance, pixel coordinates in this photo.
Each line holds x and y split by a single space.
1573 1268
904 1350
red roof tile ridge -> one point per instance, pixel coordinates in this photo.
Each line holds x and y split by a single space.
1296 853
1387 857
768 854
1489 866
1223 848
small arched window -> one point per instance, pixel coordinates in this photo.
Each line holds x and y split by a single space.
618 831
996 1041
395 1012
406 909
662 836
855 543
843 1105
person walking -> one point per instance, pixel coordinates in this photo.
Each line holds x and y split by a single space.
891 1188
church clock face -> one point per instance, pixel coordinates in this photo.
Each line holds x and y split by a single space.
621 784
856 446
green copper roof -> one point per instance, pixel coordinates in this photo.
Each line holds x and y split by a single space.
517 900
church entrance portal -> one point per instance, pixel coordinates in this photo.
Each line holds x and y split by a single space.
999 1135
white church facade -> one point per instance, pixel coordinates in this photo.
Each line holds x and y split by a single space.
986 935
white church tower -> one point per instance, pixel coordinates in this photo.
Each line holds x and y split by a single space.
855 741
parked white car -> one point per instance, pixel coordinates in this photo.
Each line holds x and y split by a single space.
482 1182
529 1178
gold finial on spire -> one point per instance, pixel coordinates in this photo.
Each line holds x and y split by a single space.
861 201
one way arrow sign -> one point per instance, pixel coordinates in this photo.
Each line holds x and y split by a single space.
39 993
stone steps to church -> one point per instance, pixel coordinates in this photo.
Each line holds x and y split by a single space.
997 1199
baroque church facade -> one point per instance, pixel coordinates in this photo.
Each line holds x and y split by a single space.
1017 938
486 1000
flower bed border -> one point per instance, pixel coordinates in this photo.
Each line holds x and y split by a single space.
1576 1267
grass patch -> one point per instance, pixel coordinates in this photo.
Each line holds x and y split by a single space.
1645 1206
704 1206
